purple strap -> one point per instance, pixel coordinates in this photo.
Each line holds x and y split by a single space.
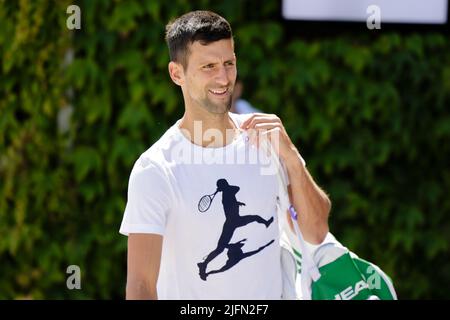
293 212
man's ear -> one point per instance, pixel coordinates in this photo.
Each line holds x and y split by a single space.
176 72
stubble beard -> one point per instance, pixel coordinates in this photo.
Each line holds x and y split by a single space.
215 107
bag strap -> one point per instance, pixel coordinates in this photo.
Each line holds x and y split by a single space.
310 271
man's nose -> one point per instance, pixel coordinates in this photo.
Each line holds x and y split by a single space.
222 76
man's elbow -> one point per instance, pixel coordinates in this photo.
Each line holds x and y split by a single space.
326 209
323 228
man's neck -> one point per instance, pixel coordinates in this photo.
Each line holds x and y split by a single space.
207 129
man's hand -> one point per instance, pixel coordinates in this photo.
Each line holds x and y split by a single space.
261 126
311 203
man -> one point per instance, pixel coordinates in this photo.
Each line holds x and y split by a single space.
183 243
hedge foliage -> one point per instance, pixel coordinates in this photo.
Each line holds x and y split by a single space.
368 112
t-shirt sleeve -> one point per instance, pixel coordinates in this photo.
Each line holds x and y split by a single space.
149 197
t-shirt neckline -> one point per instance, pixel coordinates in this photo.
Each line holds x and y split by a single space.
240 137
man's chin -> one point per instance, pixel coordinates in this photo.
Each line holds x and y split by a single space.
223 110
218 108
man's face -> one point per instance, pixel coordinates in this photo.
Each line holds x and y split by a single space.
209 78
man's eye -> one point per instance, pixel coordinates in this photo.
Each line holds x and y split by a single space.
209 66
230 63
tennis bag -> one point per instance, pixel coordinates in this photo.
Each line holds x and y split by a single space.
329 271
345 276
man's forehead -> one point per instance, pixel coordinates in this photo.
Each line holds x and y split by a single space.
222 49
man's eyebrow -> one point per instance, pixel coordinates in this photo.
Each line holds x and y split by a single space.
212 61
207 62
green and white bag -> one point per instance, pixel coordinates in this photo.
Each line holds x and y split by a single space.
328 271
332 273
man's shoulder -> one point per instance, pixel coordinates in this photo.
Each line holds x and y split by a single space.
166 141
154 158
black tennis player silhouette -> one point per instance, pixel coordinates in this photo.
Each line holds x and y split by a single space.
232 221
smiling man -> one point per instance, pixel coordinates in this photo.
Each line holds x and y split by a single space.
209 229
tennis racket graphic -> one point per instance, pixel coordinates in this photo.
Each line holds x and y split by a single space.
205 202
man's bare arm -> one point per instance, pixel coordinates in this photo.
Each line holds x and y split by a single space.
312 204
144 258
309 200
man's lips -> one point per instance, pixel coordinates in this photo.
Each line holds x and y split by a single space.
219 92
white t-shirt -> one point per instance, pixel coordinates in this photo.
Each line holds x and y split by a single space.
229 251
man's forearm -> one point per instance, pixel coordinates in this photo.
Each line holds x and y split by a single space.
139 290
311 203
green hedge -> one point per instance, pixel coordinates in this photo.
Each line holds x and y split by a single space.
369 114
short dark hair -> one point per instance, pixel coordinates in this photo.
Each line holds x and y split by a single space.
203 26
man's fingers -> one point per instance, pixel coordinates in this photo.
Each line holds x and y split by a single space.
266 136
245 123
267 126
262 129
258 118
